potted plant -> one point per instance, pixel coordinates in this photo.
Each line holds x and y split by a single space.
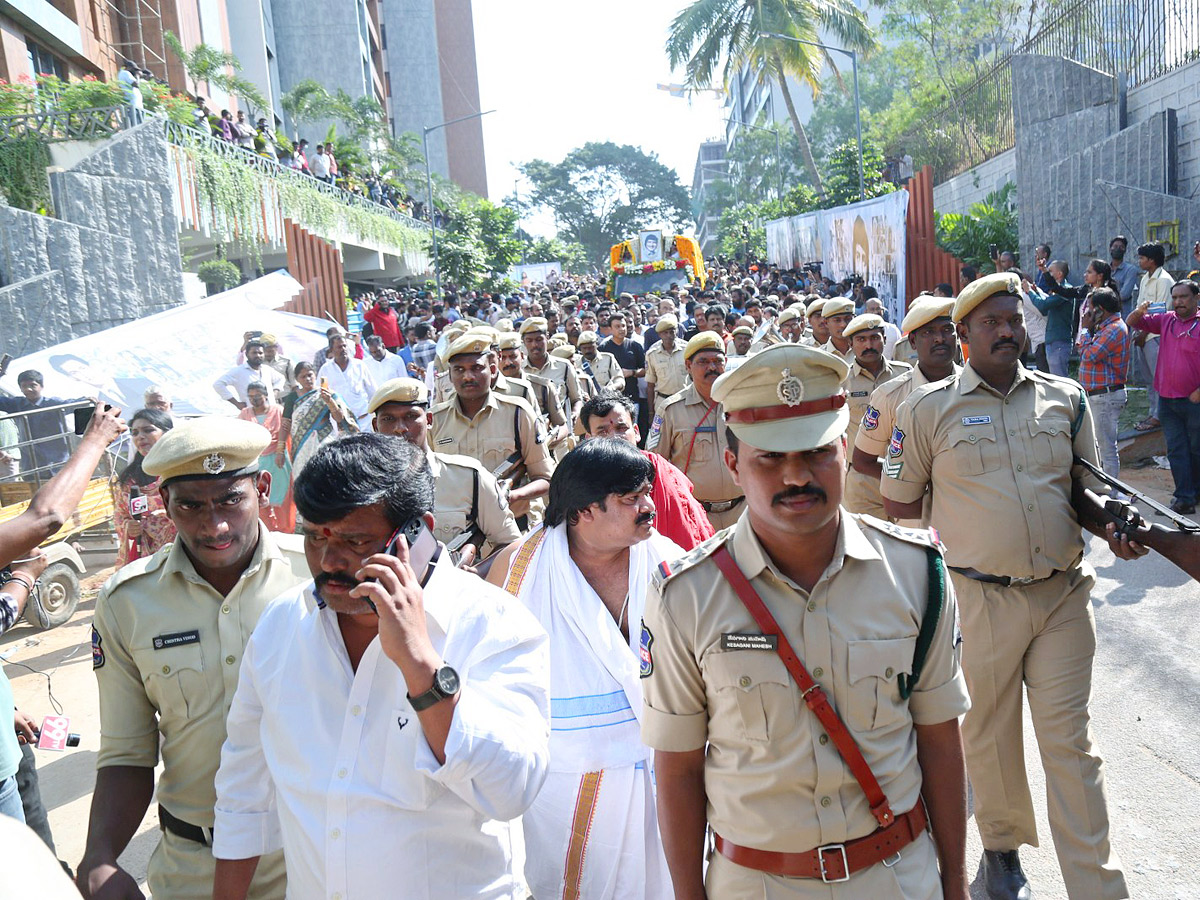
219 275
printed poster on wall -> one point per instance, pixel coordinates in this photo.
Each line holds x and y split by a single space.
865 238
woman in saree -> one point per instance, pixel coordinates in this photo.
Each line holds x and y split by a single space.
279 514
138 514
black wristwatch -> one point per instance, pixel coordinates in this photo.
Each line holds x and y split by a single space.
445 684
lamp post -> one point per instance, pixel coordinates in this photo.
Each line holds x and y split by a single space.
437 270
778 158
862 191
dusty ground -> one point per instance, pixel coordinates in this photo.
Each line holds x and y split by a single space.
1146 702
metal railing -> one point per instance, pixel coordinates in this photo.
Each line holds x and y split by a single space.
1141 39
34 459
65 125
184 136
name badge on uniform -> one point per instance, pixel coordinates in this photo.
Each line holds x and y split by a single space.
977 420
706 429
750 642
178 639
859 393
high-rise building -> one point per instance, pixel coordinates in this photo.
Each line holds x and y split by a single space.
429 49
710 167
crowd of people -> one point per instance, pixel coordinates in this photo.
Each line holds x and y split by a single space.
572 561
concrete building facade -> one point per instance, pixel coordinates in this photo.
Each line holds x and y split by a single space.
710 167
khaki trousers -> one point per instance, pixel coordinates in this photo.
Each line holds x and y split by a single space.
914 877
180 869
1042 637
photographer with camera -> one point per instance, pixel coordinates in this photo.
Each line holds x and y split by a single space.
19 539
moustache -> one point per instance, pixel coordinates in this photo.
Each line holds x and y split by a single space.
645 518
340 580
999 344
809 490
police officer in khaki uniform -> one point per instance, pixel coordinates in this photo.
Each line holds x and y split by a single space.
503 433
850 596
818 330
167 642
603 367
538 361
666 373
689 432
837 314
995 444
867 372
931 332
467 497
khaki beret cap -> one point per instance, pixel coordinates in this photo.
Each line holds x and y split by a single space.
589 337
625 295
565 351
705 340
838 306
788 315
865 322
467 343
505 324
558 339
268 339
745 329
666 323
533 324
786 398
485 331
207 447
815 306
510 340
400 390
924 310
982 288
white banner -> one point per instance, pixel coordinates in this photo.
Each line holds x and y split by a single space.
182 350
866 239
535 273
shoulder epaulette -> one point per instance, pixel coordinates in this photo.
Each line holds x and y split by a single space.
457 459
695 556
443 406
138 568
924 537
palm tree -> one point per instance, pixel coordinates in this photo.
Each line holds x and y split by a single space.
711 35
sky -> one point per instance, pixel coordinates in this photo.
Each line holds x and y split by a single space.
560 73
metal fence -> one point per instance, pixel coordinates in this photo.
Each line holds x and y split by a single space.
65 125
1141 39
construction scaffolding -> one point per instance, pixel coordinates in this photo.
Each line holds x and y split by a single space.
137 34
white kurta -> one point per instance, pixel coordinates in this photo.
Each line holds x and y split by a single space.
332 765
592 832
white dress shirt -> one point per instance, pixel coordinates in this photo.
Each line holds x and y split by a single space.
356 386
331 764
391 366
241 377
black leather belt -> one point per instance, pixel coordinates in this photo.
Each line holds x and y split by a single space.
1002 580
720 506
1111 389
185 830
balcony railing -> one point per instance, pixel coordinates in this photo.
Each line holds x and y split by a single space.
65 125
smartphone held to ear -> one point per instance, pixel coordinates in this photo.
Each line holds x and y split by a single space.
422 546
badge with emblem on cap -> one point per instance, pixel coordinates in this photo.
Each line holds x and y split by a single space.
790 389
214 464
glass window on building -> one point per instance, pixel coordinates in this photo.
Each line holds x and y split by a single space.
43 62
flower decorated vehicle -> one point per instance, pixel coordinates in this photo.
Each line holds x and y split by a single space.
653 262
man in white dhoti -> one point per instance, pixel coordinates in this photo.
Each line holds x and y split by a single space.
592 832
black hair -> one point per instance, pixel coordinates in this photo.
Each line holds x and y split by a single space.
1120 237
303 366
869 293
255 342
604 403
1104 270
421 330
1153 251
589 474
716 309
731 440
358 470
1045 247
608 321
944 287
1187 283
31 375
133 473
970 273
1106 298
1061 265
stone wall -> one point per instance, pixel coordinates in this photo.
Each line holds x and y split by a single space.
1178 90
957 194
110 256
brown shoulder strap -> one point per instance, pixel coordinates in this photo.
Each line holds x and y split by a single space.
816 698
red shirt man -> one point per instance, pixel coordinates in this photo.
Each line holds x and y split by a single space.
386 324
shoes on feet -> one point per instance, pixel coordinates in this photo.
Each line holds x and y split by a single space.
1003 878
1184 509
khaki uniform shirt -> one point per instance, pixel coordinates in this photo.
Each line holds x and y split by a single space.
1000 467
562 373
166 649
605 369
666 370
773 779
549 400
904 351
848 356
691 434
859 384
465 494
493 434
443 387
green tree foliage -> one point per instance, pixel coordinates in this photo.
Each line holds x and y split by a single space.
713 39
571 254
742 229
969 235
498 231
462 254
204 64
842 173
601 193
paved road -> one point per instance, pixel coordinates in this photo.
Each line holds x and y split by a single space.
1145 707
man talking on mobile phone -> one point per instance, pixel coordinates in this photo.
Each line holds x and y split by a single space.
392 715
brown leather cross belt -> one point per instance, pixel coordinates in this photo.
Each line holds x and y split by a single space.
833 862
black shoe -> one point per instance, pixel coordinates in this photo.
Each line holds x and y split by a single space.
1184 509
1002 876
